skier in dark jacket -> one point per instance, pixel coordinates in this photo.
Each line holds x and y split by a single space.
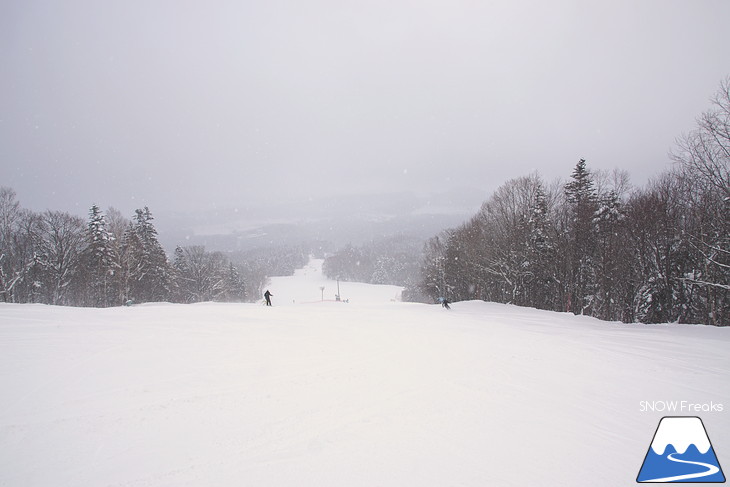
267 296
444 303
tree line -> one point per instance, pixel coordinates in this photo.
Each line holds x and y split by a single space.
58 258
393 260
257 264
595 246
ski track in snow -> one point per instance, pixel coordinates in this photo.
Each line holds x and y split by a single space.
370 392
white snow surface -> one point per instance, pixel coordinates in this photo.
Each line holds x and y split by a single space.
305 287
374 392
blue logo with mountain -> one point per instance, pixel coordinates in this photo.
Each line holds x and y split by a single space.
681 452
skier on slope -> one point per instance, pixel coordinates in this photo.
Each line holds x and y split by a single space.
267 296
445 303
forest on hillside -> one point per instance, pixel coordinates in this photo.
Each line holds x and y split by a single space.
54 257
592 245
595 245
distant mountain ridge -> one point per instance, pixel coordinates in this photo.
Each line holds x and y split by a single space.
338 220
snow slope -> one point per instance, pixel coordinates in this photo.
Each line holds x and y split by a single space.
305 287
370 392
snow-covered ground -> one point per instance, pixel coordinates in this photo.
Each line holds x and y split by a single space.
305 287
374 392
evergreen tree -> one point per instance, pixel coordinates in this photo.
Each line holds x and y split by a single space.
541 253
234 287
149 277
384 268
609 254
180 277
98 262
582 203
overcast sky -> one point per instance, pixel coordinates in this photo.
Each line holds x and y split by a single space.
185 104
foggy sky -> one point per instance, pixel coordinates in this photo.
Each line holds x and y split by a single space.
184 104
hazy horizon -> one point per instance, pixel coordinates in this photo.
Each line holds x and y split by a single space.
185 106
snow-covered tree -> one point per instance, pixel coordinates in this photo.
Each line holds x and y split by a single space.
609 256
582 205
234 287
349 264
433 270
180 293
99 263
11 271
59 249
206 276
654 224
541 253
147 272
702 159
